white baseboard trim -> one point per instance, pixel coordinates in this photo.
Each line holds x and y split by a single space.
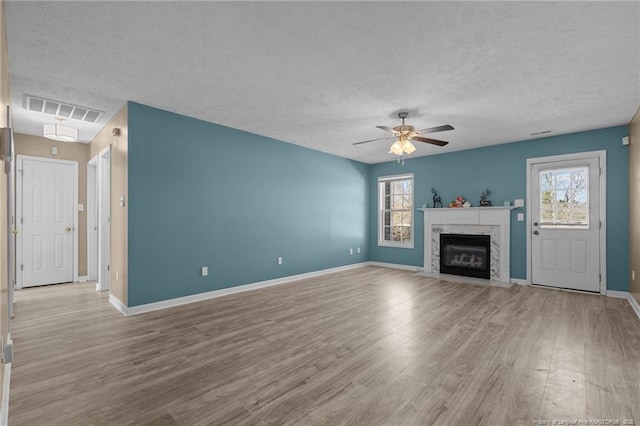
118 305
6 386
626 295
83 279
634 304
618 294
164 304
395 266
518 281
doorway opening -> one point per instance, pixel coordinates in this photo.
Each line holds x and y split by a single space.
99 219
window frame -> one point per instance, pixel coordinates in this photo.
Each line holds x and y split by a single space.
408 244
557 224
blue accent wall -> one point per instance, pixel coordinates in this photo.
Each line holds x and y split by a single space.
502 168
202 194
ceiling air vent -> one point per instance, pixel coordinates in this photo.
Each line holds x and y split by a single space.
60 109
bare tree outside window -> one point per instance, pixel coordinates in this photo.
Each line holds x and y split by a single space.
396 211
564 197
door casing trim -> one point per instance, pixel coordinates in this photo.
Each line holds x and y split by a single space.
18 180
92 221
601 155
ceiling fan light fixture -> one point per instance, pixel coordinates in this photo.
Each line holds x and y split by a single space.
408 134
408 147
397 148
59 132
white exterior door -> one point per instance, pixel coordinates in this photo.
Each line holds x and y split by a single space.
565 224
47 222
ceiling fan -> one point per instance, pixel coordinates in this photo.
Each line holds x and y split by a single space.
406 134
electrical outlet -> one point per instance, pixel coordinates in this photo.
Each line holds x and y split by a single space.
54 150
358 250
350 251
520 217
205 271
279 260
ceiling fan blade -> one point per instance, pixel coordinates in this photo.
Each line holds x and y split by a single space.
386 129
437 129
431 141
373 140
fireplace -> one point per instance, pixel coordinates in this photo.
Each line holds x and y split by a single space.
464 254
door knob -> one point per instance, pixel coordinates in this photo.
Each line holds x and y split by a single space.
535 232
68 228
535 223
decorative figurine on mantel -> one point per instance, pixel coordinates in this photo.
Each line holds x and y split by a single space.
483 198
437 201
459 202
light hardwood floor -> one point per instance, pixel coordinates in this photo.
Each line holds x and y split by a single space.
367 346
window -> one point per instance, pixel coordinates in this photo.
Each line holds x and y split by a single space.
564 198
395 211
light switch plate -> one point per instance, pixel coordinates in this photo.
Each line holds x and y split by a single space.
80 207
54 150
519 202
520 217
205 271
122 201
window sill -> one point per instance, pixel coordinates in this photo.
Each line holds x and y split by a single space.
396 245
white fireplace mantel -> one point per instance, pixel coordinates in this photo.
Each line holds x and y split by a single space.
497 221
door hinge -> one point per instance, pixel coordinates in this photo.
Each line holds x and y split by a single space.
600 277
108 267
22 267
22 220
600 224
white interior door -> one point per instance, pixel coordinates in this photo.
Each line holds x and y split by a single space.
565 224
47 222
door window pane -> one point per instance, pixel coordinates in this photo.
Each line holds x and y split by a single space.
564 198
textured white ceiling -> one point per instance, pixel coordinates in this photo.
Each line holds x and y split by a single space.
323 74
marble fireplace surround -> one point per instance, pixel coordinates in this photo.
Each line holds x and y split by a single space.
493 221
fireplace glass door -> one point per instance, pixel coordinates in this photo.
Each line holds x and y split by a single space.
468 255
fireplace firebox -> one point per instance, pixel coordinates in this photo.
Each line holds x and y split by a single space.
463 254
